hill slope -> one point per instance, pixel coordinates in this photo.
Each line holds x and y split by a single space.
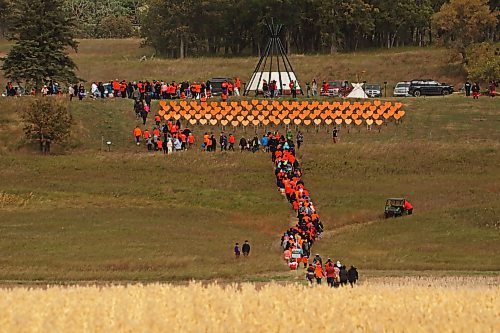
130 215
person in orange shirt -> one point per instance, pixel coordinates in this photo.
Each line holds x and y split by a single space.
209 144
205 141
159 144
116 87
146 134
156 132
123 89
182 138
318 273
237 86
137 133
157 119
191 140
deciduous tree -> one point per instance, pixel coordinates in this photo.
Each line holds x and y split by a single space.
460 23
47 120
484 62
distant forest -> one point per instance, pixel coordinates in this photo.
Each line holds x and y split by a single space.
236 27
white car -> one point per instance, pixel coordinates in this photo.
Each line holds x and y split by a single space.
401 89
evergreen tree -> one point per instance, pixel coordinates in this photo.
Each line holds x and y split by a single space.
42 32
4 16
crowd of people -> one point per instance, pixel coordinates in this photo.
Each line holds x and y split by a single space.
169 136
298 240
155 89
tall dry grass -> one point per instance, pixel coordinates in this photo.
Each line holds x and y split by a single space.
237 308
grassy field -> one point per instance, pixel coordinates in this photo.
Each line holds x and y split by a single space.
196 308
128 215
125 215
107 59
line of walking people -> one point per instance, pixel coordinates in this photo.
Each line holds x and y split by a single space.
297 241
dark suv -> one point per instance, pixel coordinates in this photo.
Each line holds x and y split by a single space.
428 87
216 83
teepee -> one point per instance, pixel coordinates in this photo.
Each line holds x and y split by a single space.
273 65
357 91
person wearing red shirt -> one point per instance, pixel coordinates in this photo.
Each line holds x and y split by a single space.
231 141
408 207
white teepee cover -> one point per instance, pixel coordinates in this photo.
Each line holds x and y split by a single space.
357 91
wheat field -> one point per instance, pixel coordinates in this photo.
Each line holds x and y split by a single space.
456 306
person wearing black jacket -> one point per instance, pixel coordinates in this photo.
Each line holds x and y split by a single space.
352 275
343 276
243 144
467 88
246 249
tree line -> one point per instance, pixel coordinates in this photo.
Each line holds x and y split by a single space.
43 31
92 19
236 27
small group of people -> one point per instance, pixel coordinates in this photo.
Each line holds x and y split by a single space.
50 88
475 89
167 137
336 274
245 248
270 89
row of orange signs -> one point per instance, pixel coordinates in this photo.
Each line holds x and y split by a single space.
258 106
286 121
275 112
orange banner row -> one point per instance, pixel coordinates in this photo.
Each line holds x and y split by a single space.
264 112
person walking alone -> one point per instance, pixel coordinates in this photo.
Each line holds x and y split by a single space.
334 135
